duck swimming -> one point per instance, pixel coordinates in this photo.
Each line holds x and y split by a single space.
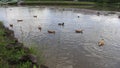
39 28
35 16
11 25
119 17
61 24
51 31
19 20
79 31
98 13
101 42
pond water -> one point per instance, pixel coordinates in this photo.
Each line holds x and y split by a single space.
65 48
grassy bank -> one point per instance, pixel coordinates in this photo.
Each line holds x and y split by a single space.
14 54
67 4
56 3
74 4
107 6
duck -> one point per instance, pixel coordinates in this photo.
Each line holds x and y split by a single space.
39 28
98 13
10 9
101 42
11 25
79 31
61 24
51 31
119 17
19 20
35 16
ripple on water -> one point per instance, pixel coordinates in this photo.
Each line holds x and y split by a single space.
65 43
107 51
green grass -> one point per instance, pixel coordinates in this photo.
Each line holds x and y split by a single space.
56 3
74 4
7 55
60 2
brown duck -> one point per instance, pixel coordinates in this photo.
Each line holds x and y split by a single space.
79 31
19 20
35 16
101 42
51 31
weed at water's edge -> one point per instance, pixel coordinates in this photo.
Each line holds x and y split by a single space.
11 52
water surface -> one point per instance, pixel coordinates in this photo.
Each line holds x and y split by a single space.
65 48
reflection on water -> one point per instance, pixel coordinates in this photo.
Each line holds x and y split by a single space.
65 48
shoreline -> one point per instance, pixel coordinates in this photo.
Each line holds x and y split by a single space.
53 3
76 9
71 4
15 54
